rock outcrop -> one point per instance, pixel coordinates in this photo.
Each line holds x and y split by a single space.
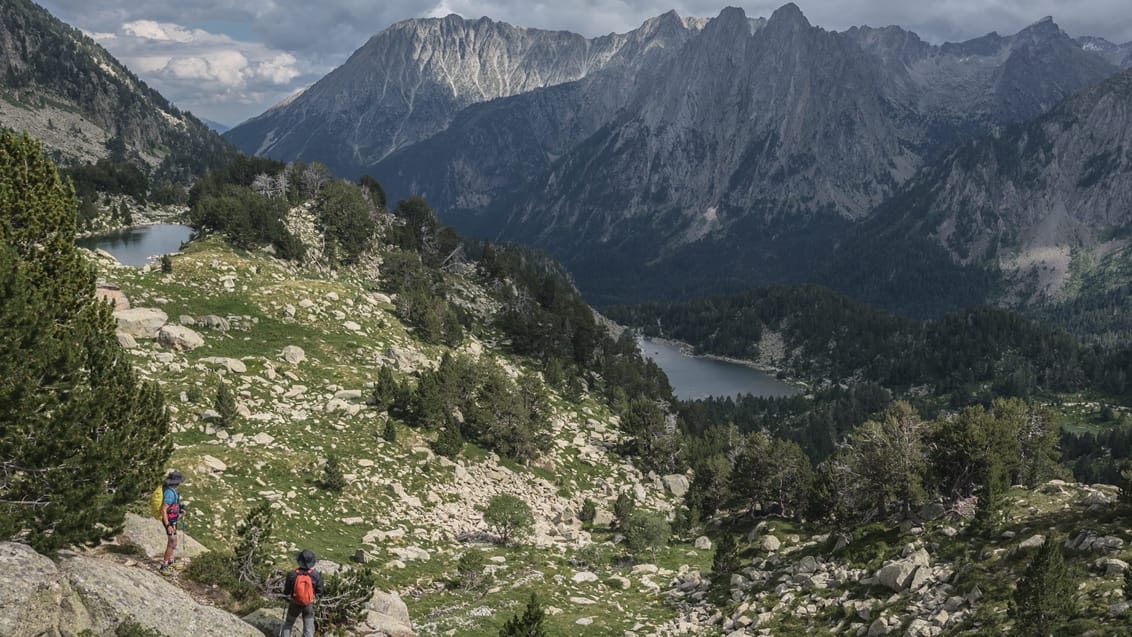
80 592
141 322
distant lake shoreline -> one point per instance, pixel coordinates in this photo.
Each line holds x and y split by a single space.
694 377
138 245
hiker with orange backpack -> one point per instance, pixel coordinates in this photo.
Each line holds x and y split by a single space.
301 586
171 511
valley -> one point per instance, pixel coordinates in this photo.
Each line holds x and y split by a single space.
730 326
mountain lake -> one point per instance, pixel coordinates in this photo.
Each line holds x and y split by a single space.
695 377
139 245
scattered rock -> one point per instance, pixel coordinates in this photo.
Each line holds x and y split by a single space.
583 576
141 322
214 322
898 575
386 614
108 293
703 543
126 340
603 517
677 484
1032 542
769 543
214 464
234 365
149 534
179 337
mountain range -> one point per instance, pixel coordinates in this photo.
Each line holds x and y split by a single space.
63 88
692 155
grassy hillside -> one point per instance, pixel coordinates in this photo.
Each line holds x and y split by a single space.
400 496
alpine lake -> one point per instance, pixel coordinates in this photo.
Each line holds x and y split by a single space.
139 245
697 377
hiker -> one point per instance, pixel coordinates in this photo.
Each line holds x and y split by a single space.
171 510
300 588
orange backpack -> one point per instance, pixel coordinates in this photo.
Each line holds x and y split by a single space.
303 591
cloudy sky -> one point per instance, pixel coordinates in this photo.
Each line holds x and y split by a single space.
228 60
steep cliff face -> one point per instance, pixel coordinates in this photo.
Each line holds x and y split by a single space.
1026 197
740 150
62 87
743 122
409 81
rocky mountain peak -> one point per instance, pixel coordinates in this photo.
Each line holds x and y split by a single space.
789 14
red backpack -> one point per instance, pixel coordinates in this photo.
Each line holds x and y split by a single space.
303 591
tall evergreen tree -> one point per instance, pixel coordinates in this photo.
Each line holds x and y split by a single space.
529 624
80 436
1044 597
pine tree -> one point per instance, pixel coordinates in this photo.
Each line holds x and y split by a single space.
723 564
1044 597
389 432
991 502
225 405
529 624
253 544
80 437
333 479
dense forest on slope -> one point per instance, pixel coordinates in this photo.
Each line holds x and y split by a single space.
825 337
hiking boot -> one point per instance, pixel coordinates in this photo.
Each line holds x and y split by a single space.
165 570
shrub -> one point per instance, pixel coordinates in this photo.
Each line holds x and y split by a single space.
528 624
589 510
225 405
166 264
253 539
508 517
469 569
333 479
449 442
344 598
134 629
389 432
623 508
646 531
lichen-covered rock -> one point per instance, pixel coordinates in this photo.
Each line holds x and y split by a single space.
294 354
148 534
30 596
179 337
677 484
234 365
386 616
141 322
113 593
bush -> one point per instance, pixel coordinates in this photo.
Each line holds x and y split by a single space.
253 540
216 568
589 511
344 598
225 405
134 629
646 531
449 442
469 569
166 264
508 517
333 479
623 508
591 556
389 432
528 624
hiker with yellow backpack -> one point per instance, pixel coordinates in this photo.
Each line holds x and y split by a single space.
301 586
165 505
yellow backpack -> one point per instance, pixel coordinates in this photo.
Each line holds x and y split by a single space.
156 500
